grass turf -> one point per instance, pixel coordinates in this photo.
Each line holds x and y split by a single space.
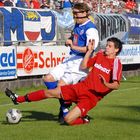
116 117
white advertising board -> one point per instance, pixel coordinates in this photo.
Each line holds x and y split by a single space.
130 54
39 60
7 63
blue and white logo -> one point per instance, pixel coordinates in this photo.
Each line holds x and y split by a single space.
7 63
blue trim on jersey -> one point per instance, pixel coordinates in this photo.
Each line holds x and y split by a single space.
78 54
79 37
51 85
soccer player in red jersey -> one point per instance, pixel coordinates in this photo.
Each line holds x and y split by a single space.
104 76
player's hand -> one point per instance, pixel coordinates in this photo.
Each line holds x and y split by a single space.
91 45
69 43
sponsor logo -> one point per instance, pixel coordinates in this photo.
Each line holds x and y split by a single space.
8 59
75 39
31 15
81 32
83 110
7 63
100 67
31 24
28 60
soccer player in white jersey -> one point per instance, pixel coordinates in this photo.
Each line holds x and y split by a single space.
68 72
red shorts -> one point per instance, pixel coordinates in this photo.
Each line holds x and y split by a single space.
84 99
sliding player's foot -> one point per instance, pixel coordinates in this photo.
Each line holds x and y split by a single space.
86 119
11 95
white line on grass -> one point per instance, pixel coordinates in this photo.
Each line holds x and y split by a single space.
6 104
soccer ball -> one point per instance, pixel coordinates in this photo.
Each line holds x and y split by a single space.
13 116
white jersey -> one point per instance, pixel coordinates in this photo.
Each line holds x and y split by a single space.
69 70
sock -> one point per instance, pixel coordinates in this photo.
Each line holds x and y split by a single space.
51 85
21 99
64 107
65 111
78 121
65 104
32 96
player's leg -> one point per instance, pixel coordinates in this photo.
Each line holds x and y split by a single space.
51 84
85 101
74 117
34 96
69 78
51 79
74 93
72 75
64 105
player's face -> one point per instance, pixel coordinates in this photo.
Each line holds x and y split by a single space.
110 49
79 15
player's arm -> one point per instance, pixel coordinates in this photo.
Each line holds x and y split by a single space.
77 48
114 85
88 54
91 33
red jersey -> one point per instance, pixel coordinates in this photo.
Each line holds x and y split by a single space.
36 4
88 92
1 3
111 69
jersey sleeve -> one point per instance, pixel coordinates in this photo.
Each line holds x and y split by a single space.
117 70
92 33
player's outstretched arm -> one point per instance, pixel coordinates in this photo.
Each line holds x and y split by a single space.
90 49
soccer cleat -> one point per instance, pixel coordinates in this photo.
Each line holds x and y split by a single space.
64 109
11 95
86 119
61 117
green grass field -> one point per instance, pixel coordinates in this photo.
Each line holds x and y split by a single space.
116 117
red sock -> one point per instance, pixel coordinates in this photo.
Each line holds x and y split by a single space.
78 121
32 96
20 99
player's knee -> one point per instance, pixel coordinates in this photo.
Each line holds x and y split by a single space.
48 78
61 83
68 119
49 94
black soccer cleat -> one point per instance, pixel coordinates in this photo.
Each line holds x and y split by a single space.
86 119
11 95
63 112
60 117
64 108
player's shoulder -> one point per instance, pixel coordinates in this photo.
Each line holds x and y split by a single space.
118 60
90 24
101 52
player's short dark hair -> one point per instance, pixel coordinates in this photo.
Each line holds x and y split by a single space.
117 42
81 7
